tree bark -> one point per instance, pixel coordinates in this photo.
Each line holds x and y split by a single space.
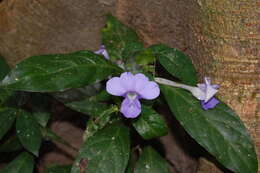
222 38
230 38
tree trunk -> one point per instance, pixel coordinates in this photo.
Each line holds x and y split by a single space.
230 38
222 38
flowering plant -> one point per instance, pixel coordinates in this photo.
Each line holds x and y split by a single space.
119 132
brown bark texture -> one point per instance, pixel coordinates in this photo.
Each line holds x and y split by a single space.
222 38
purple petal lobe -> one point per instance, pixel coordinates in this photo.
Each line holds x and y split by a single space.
127 81
102 51
114 87
210 104
130 108
149 91
105 54
140 82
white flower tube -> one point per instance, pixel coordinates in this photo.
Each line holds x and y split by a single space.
202 92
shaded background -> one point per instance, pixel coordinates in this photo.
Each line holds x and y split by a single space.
222 38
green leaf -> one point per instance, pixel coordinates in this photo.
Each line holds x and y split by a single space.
120 41
145 57
150 124
96 123
76 94
4 68
42 118
11 144
22 164
88 107
176 63
5 95
40 108
28 131
7 117
59 169
59 72
151 162
219 130
107 151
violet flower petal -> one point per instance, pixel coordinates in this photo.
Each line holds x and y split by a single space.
130 108
150 91
210 104
102 51
208 89
140 81
127 81
114 87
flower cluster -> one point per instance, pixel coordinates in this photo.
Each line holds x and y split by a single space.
132 88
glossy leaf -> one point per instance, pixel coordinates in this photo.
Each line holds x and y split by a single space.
150 124
105 152
120 41
11 144
59 169
176 63
22 164
88 107
151 162
42 118
76 94
219 130
59 72
96 123
4 68
28 131
7 117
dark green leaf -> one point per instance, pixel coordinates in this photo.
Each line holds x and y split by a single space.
28 131
5 95
59 72
105 152
59 169
96 123
120 41
219 130
4 68
151 162
150 124
176 63
76 94
88 107
42 118
7 117
145 57
11 144
22 164
40 108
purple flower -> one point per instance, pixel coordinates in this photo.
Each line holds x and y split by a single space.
209 101
102 51
210 104
132 88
